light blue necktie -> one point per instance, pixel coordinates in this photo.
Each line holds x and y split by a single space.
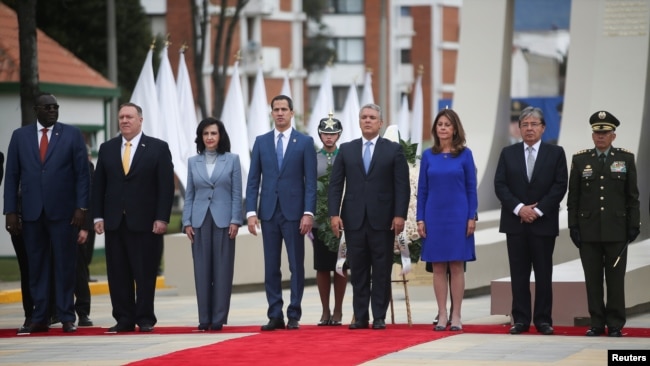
530 162
367 155
279 150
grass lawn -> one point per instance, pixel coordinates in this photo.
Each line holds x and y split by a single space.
9 265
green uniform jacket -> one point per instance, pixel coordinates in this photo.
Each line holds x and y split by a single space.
603 202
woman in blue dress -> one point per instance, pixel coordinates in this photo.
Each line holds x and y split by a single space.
446 212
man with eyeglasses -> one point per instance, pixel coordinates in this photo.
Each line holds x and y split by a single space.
47 163
530 181
604 217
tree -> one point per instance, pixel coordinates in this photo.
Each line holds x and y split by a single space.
316 49
28 59
224 31
80 27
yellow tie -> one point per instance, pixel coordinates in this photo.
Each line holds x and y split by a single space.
126 158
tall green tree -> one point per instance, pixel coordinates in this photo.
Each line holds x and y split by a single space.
80 27
28 59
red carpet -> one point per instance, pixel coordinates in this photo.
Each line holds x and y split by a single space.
312 344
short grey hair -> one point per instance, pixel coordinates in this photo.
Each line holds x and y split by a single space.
371 106
532 112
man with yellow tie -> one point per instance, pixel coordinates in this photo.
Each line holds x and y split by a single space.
133 189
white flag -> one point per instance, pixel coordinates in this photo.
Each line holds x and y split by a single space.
404 120
144 95
286 90
323 106
259 121
234 119
417 115
366 95
169 115
350 116
186 109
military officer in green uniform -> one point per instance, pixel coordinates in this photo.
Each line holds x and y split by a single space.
603 206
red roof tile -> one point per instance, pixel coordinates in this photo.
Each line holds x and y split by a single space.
55 63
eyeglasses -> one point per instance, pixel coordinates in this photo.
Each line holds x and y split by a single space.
532 125
49 106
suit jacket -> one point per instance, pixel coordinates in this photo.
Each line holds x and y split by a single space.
292 186
381 194
546 187
221 192
142 196
57 186
604 203
2 166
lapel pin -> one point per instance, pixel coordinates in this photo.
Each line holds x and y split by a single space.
294 140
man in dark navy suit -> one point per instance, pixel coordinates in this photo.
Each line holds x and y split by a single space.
133 190
47 163
530 181
370 177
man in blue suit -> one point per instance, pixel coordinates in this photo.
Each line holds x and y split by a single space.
47 162
283 162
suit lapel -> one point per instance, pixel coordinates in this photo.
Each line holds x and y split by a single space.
218 168
199 166
139 152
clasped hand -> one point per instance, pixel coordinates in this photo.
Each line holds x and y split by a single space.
528 214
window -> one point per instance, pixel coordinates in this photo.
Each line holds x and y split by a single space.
345 7
348 50
405 56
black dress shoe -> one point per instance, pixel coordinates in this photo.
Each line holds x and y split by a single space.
614 332
293 324
146 328
378 324
595 332
545 329
216 327
273 324
204 327
359 325
84 321
518 328
120 328
69 327
33 328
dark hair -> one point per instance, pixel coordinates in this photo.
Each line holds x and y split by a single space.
532 112
129 104
224 140
458 140
282 97
42 94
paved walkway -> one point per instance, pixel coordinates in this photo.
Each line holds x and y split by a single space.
250 309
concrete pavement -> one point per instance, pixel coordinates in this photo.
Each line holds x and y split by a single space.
249 308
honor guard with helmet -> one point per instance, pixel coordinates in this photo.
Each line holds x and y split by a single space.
604 217
329 130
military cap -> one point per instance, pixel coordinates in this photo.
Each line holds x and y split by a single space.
603 121
330 125
516 106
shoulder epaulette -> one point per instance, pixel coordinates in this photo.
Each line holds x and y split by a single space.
581 152
620 149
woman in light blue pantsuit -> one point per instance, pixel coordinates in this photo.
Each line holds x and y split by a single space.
212 216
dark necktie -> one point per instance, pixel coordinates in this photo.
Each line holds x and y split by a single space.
601 161
43 145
